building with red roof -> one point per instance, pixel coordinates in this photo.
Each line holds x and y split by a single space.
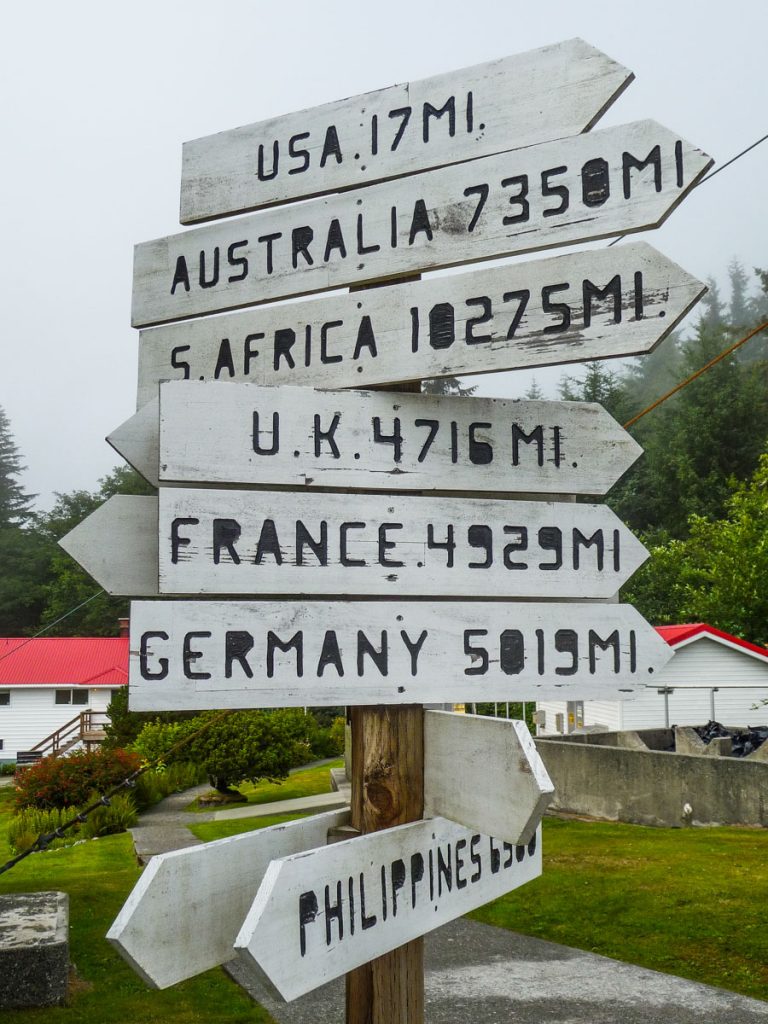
47 682
713 676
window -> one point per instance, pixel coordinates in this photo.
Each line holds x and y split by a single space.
71 697
5 698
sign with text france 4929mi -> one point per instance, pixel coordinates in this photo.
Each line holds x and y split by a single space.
363 548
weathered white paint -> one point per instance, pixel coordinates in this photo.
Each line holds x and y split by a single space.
369 440
186 909
117 544
32 713
495 206
388 888
462 753
255 542
516 101
369 335
197 655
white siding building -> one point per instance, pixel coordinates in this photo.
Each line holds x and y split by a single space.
713 676
46 683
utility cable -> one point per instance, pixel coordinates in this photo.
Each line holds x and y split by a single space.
50 625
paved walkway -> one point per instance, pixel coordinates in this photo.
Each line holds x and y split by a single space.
474 973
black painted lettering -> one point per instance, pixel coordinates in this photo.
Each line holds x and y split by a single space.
475 321
481 537
362 248
379 658
274 434
448 545
307 913
444 870
190 656
511 652
268 544
475 859
495 856
595 644
567 642
180 274
475 653
386 545
365 339
551 539
591 293
432 428
226 533
334 240
224 360
285 339
331 146
330 654
180 364
214 280
324 331
519 436
442 325
261 172
298 153
404 113
304 539
630 163
268 240
344 558
301 239
449 108
414 647
481 191
561 309
177 541
397 878
417 873
145 652
461 883
518 199
480 452
395 438
327 436
237 261
638 282
249 352
581 541
367 921
333 912
548 189
595 182
419 222
520 533
274 643
521 298
237 644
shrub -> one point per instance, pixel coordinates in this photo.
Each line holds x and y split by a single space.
7 769
27 825
157 783
108 820
69 781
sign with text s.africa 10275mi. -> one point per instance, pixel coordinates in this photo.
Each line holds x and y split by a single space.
398 130
198 655
586 187
322 913
587 305
209 432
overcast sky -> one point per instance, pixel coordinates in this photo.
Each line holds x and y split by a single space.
97 99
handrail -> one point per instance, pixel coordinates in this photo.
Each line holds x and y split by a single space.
74 729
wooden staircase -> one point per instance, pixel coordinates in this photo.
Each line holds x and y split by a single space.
86 728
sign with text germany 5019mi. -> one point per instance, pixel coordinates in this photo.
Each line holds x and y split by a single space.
587 305
322 913
277 542
197 655
209 432
589 186
452 117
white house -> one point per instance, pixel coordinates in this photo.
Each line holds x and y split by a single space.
57 689
713 677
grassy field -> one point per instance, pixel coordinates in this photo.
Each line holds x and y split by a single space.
684 901
302 782
98 876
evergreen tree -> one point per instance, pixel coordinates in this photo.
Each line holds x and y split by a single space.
447 386
534 392
598 384
738 313
15 503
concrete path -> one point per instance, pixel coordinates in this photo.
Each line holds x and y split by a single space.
477 974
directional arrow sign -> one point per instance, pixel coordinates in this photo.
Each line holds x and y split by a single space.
320 914
278 543
516 101
589 186
587 305
459 753
248 434
197 655
186 909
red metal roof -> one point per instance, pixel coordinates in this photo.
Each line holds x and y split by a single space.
72 661
677 634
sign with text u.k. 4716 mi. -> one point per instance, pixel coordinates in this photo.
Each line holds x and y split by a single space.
320 914
587 305
280 542
168 936
452 117
198 655
586 187
206 431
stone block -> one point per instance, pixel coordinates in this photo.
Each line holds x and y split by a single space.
34 949
688 741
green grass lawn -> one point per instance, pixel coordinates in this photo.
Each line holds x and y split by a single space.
98 876
210 830
302 782
689 902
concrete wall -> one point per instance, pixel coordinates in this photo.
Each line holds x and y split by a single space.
653 787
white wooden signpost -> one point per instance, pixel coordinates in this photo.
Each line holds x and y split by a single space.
586 187
586 305
197 655
405 128
465 167
320 914
185 911
206 432
277 542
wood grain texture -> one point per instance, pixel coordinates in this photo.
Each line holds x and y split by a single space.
369 334
364 440
185 912
197 655
586 187
304 929
483 109
221 541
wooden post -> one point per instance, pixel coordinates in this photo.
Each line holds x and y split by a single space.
388 790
